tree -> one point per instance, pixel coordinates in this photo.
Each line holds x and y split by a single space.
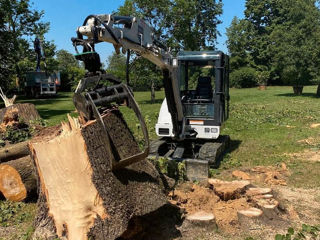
117 65
143 74
278 39
297 43
236 44
180 24
18 22
70 70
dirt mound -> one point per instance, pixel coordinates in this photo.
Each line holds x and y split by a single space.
194 198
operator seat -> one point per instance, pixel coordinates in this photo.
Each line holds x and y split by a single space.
204 88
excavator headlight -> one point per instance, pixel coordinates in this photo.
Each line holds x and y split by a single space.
175 62
214 130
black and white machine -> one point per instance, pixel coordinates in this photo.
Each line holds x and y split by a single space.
196 88
40 83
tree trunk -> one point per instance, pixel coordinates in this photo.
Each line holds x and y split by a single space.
318 90
153 94
18 179
26 112
15 151
297 90
81 198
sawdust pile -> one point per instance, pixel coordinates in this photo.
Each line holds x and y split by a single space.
266 175
10 119
207 197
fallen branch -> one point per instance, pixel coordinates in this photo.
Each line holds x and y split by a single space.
7 101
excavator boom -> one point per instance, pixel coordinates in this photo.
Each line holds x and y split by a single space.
128 33
132 34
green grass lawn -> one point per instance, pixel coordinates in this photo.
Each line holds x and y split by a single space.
268 124
263 126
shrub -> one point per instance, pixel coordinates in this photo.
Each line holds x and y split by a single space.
262 77
244 77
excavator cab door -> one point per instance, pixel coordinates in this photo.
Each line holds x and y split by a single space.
204 87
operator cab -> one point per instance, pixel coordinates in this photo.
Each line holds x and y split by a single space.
204 91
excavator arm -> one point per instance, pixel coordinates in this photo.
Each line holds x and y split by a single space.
127 34
131 34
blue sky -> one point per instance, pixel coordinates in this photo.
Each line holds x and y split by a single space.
66 15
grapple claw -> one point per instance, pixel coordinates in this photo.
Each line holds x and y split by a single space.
92 103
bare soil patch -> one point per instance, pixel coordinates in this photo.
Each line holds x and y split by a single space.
315 125
265 175
308 155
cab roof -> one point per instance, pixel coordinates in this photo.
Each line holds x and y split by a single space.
199 55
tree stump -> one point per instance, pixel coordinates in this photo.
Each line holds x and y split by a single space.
229 190
26 112
250 218
81 198
18 179
258 191
201 220
269 207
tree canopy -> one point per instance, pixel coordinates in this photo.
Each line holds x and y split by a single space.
19 23
70 70
182 24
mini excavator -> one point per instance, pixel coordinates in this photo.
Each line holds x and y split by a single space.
196 87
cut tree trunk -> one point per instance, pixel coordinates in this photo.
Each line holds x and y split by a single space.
250 218
201 220
18 179
81 198
14 151
24 112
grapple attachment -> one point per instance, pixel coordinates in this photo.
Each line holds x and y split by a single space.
92 104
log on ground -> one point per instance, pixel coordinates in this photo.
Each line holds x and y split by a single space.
81 198
18 179
14 151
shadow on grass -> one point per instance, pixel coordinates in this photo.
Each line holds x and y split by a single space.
49 113
156 101
39 102
312 95
233 145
